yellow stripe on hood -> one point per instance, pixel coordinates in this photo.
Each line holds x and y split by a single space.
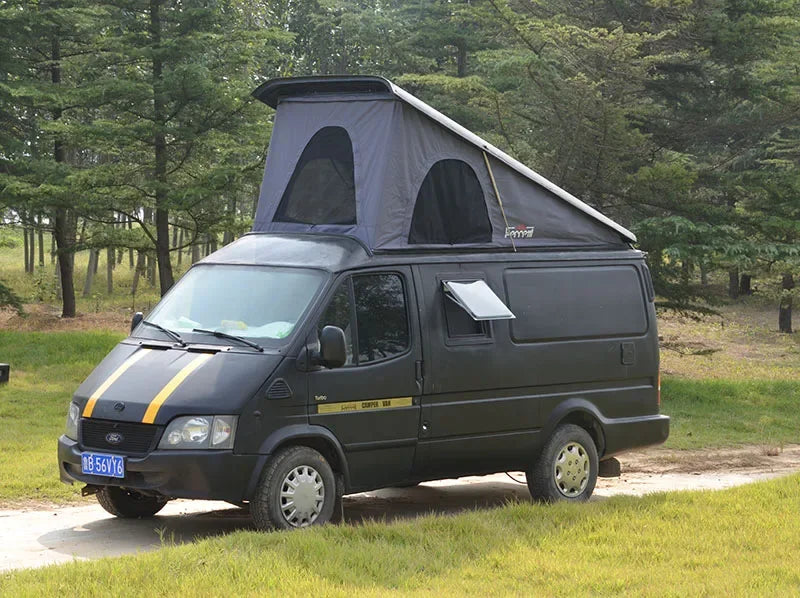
169 388
89 408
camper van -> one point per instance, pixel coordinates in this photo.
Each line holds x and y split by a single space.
413 304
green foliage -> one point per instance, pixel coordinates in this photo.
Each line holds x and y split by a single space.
9 299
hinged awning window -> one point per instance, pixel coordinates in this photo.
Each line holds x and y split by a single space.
478 300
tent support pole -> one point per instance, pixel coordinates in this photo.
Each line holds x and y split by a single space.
499 199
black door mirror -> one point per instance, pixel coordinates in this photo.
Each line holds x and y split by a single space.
332 347
136 320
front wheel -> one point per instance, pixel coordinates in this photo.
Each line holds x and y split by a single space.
129 504
567 467
297 489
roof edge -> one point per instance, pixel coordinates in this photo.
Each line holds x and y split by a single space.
270 92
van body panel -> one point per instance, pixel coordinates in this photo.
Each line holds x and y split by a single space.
373 408
462 398
230 373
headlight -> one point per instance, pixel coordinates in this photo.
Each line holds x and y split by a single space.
73 415
200 432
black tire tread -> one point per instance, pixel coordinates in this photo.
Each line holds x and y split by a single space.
540 481
263 507
128 504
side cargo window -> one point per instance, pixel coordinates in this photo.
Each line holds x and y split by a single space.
377 305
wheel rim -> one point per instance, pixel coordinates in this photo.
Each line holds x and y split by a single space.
302 496
571 469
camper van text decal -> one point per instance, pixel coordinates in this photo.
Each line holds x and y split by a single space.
363 405
519 232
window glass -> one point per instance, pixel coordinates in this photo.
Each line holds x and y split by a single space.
252 301
478 299
450 208
339 313
459 322
381 316
322 188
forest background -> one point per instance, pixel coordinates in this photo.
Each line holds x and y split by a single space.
127 132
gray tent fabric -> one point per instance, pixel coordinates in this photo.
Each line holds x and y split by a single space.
395 144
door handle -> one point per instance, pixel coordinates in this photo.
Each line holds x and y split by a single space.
418 372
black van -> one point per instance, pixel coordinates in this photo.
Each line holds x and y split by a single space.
412 305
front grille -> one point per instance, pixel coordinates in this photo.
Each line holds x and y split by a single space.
135 438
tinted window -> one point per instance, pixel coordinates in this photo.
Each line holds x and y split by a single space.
578 302
322 188
381 316
450 207
459 322
339 313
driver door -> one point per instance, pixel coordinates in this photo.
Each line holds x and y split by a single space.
372 403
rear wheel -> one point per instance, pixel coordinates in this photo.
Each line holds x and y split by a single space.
297 489
129 504
567 467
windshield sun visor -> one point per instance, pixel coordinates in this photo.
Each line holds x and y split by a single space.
478 300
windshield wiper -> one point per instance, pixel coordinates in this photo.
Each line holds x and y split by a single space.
173 335
219 334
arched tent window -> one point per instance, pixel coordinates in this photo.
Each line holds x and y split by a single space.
322 187
450 207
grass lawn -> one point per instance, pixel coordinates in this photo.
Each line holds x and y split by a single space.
48 367
45 370
744 541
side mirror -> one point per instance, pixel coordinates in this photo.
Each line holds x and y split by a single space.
332 347
136 320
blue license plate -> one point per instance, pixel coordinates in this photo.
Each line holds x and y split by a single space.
112 466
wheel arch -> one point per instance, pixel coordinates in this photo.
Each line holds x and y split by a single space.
579 412
316 437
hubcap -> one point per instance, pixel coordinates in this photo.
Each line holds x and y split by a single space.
302 496
571 469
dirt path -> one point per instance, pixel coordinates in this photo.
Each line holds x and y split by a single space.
38 536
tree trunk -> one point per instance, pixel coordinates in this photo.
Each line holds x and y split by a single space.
703 275
52 248
91 269
180 247
461 60
41 243
25 249
195 252
130 249
65 226
733 283
110 270
785 308
165 277
140 266
744 284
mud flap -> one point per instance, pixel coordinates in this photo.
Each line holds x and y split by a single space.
338 506
610 468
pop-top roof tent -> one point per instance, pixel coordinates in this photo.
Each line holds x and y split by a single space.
357 155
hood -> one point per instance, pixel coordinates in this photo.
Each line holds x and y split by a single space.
143 384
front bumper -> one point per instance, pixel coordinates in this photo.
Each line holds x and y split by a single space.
630 433
202 474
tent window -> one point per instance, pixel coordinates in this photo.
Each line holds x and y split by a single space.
450 208
322 187
478 300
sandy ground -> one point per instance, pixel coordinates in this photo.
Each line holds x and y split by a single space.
40 535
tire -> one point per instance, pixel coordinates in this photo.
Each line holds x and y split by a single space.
566 469
288 495
129 504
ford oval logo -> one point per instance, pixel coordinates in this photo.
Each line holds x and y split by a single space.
114 438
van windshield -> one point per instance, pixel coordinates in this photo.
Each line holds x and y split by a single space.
248 301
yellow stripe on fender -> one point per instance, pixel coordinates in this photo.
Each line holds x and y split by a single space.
89 408
163 395
366 405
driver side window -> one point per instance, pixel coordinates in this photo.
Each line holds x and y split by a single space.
376 304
